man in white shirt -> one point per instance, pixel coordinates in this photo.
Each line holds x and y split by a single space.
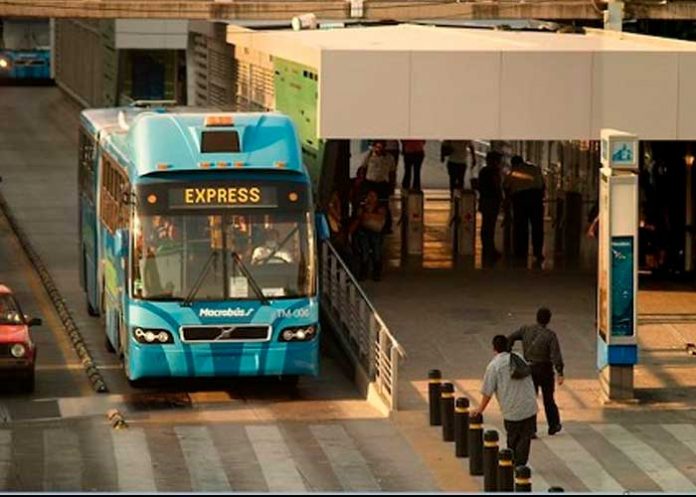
456 153
381 170
516 397
269 252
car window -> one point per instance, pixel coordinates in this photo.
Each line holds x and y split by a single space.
10 313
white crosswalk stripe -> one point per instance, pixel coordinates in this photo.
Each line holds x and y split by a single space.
588 470
275 459
686 434
62 461
202 460
347 462
133 461
646 458
5 458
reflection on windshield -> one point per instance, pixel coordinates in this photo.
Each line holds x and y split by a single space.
172 252
9 311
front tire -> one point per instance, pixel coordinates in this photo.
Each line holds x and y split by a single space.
29 383
90 310
290 380
108 346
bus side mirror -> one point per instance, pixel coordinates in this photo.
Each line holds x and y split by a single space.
322 226
121 243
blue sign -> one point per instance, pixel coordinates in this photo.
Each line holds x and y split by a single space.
622 294
623 152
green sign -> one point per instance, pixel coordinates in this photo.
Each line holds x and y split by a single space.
297 96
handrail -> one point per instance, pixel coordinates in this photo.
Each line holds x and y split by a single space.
360 328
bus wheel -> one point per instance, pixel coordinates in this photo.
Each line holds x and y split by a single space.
137 384
290 380
90 310
108 346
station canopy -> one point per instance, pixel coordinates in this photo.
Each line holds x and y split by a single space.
434 82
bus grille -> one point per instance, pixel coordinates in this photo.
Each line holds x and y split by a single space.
231 333
4 349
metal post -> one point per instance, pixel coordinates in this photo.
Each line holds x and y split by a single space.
476 445
461 427
523 479
506 471
490 461
447 411
434 388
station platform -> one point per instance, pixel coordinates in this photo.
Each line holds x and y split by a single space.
445 317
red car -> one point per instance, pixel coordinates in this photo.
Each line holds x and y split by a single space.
17 351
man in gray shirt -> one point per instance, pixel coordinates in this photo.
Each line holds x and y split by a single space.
543 353
516 398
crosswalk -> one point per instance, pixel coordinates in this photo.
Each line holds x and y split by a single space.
88 455
608 457
329 456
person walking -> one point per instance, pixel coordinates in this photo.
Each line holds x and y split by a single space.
490 198
455 152
524 186
516 399
542 351
414 154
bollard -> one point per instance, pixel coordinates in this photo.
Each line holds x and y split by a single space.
490 461
434 386
461 427
447 412
556 489
523 479
476 445
506 471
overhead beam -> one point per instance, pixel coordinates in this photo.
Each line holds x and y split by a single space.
402 10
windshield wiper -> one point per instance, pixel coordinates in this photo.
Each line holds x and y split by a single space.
280 246
199 281
254 285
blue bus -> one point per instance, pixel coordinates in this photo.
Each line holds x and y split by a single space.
25 50
198 242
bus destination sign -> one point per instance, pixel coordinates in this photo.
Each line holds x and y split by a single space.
228 196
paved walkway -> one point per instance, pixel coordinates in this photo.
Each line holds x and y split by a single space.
445 319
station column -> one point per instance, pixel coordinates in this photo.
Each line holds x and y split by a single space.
617 279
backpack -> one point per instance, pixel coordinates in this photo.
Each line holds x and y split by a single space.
519 368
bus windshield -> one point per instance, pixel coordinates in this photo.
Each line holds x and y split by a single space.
24 34
222 256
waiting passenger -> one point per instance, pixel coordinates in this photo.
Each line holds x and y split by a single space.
367 228
269 252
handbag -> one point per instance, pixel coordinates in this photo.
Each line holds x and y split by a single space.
519 368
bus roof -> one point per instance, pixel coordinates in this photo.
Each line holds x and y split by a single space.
155 140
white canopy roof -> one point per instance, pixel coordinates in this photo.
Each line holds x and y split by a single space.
435 82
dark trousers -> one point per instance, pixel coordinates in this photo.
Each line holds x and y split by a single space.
489 216
412 165
519 438
542 374
527 208
369 246
456 171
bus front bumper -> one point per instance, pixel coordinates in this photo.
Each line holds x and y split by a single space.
213 360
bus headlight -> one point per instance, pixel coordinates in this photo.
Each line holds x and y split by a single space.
18 350
4 63
148 336
298 334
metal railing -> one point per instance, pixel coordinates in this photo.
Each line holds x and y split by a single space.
361 331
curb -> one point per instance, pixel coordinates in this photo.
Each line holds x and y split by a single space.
71 329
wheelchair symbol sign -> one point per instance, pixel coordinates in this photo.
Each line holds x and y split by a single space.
622 152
